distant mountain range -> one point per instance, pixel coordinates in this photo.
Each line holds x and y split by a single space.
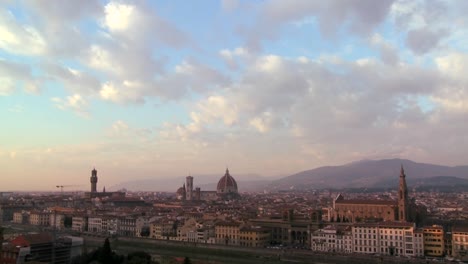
361 174
374 174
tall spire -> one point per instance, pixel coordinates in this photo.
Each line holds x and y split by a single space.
403 197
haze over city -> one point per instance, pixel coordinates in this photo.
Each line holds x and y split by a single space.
158 89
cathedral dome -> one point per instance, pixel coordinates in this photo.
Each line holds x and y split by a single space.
227 184
180 191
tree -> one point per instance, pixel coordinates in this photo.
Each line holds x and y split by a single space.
139 257
187 261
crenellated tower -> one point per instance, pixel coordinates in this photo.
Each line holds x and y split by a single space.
403 201
94 180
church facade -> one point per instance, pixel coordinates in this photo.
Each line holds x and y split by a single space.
355 210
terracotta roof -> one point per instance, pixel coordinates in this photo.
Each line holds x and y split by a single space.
227 181
460 229
364 202
385 224
32 239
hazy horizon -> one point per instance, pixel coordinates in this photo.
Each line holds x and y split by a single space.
144 89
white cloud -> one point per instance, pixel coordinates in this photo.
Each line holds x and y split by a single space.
119 127
75 102
14 35
13 75
122 93
118 17
454 65
7 86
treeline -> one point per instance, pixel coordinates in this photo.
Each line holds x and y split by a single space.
105 255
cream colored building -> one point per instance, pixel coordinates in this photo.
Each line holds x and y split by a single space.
21 217
163 229
387 238
227 233
332 239
254 236
95 224
433 241
460 243
79 223
57 221
39 218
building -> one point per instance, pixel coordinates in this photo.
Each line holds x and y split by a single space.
419 242
163 229
39 218
95 224
227 187
40 248
228 233
57 221
21 217
460 242
226 190
95 194
386 238
333 239
254 236
94 180
355 210
433 241
127 226
79 223
290 228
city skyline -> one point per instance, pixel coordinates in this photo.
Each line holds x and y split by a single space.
158 89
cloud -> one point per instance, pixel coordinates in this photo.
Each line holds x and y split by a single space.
13 75
75 102
139 24
118 17
126 92
120 127
423 40
388 53
359 17
14 35
75 81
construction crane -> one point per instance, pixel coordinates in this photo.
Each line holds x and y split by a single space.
65 186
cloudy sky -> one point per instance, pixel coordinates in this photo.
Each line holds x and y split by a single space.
156 89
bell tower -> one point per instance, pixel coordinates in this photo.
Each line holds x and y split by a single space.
402 197
94 180
189 188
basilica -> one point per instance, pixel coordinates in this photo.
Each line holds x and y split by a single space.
226 190
356 210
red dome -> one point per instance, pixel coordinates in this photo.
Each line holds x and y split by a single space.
227 184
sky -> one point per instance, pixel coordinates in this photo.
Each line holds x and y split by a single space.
161 89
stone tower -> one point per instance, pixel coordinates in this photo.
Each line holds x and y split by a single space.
403 197
94 180
189 188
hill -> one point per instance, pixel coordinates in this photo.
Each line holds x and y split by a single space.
373 174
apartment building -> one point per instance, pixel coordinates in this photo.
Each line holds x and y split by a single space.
460 242
332 239
254 236
227 232
387 238
39 218
434 241
80 223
